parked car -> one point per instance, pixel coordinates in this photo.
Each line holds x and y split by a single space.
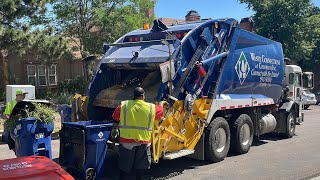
317 97
308 98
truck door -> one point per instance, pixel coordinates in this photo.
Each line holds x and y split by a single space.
298 94
295 92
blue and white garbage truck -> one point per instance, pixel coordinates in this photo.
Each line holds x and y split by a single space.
223 86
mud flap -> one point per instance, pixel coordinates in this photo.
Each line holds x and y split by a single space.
199 149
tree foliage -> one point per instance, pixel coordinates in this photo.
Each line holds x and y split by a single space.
18 36
89 23
18 13
294 23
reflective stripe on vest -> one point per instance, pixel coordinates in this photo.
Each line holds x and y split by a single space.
137 119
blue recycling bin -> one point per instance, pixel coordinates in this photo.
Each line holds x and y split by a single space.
65 113
83 147
32 137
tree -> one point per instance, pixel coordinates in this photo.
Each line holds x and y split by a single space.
89 23
14 17
17 18
294 23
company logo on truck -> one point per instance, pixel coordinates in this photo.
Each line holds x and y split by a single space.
242 68
265 68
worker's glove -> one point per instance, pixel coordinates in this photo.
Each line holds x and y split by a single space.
114 132
163 103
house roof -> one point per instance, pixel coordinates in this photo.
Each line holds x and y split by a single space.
171 21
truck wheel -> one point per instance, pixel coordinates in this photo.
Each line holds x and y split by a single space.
306 106
90 174
217 140
291 125
242 134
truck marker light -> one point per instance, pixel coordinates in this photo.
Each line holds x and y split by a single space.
146 26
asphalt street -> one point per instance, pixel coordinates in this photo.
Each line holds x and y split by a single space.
270 157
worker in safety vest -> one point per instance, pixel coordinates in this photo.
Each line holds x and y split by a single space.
135 119
20 95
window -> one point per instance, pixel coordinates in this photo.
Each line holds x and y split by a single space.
42 75
31 71
297 80
52 75
291 80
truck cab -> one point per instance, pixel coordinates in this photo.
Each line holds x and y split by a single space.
293 83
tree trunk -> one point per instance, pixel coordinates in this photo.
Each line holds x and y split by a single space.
3 72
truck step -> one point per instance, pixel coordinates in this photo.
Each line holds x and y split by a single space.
177 154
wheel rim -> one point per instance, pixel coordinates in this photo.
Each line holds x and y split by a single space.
220 139
291 124
90 174
245 134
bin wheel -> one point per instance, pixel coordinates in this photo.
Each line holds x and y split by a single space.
90 174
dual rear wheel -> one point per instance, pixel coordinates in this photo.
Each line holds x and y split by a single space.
218 138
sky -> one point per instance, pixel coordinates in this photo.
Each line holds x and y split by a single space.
177 9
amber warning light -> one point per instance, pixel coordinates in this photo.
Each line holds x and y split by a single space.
146 26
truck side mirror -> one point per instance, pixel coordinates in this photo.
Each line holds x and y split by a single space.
105 47
308 80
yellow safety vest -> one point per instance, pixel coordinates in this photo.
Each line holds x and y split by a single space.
137 120
10 107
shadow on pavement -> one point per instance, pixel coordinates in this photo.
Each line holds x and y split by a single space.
166 169
257 141
163 170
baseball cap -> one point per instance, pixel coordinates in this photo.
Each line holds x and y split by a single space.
21 91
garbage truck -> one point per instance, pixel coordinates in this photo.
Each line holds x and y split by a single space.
222 84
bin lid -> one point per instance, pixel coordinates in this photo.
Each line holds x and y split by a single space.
32 167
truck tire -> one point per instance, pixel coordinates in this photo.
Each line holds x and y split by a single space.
242 134
217 140
306 106
290 125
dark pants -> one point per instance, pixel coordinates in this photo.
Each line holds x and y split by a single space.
133 163
11 142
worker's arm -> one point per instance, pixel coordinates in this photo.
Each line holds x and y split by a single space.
116 120
116 116
7 111
159 112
